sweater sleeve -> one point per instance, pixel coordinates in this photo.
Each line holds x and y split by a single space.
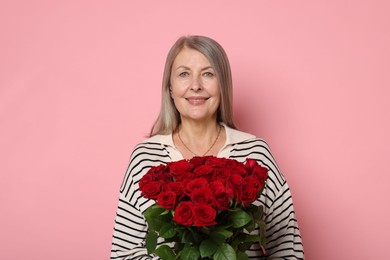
129 232
283 236
282 231
283 239
130 227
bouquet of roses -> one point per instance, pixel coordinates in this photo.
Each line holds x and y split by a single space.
204 208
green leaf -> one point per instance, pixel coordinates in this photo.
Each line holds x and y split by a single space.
151 241
250 226
153 210
222 232
218 238
239 218
193 236
225 252
256 211
252 238
237 241
260 223
244 246
178 247
247 241
242 256
208 247
190 253
165 253
167 231
156 217
165 212
206 230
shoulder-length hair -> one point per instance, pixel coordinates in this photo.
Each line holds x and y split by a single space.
169 117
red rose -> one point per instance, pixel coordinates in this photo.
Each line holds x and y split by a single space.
216 186
148 177
204 215
254 182
156 171
197 160
202 196
180 170
222 200
222 195
222 175
184 213
250 163
195 184
247 194
236 179
216 162
205 171
176 187
237 167
260 173
164 177
167 199
151 190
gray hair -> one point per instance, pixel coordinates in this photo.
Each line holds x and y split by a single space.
169 117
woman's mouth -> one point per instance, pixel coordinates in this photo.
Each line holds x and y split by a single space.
197 100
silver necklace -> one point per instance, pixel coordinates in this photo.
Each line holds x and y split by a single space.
212 145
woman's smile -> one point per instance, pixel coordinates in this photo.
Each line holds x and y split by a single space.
196 101
194 86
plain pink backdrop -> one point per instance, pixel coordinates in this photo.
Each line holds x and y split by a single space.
80 86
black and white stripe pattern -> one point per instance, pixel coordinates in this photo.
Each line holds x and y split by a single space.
283 237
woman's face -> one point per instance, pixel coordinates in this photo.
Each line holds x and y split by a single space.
194 86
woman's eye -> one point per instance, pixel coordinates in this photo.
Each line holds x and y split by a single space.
183 74
208 74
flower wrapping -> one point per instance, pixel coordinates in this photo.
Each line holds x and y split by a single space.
204 208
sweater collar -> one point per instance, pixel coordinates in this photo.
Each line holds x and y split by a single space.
233 136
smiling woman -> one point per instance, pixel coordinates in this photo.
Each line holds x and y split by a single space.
196 119
195 93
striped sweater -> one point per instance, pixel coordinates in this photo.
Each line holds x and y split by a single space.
282 232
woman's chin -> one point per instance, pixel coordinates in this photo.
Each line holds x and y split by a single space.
199 118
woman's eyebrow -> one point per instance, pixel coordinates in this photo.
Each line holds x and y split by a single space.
182 67
208 67
188 68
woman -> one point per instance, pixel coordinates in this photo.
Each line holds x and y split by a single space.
196 119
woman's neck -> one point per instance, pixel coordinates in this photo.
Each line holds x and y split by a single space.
196 130
198 139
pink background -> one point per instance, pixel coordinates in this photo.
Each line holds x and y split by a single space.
80 86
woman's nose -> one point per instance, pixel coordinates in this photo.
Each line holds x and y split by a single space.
196 84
